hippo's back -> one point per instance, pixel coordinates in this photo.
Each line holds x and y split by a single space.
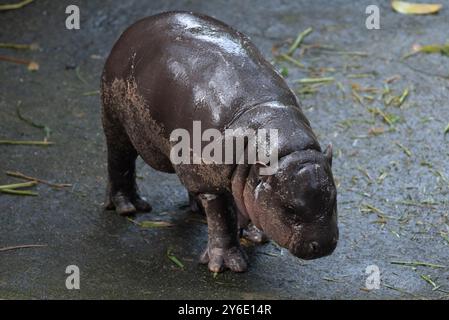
185 67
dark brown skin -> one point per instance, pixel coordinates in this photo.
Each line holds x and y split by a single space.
169 70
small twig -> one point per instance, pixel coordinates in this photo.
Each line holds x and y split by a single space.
151 224
341 88
357 96
32 65
411 203
22 247
418 264
22 176
429 280
392 78
14 60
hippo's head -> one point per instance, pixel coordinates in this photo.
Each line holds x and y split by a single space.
296 206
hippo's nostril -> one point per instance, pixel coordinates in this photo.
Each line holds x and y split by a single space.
313 247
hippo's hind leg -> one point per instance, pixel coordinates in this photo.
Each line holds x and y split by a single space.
223 247
122 193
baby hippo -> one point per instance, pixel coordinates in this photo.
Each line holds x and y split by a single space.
167 72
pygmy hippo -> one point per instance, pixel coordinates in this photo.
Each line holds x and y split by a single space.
171 69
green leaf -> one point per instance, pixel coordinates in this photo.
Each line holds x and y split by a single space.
446 130
284 72
154 224
174 259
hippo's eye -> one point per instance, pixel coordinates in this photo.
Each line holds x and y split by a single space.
290 211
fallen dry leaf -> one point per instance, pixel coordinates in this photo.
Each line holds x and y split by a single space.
415 8
432 48
376 131
33 66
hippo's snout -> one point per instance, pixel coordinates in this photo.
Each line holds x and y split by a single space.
314 248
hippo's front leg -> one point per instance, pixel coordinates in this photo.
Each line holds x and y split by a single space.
223 248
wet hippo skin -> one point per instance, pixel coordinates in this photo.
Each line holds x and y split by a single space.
171 69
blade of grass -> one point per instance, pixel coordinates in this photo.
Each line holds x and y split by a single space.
314 80
418 264
405 149
46 129
403 97
17 174
155 224
446 130
18 46
174 259
13 6
22 247
19 192
78 75
291 60
299 39
91 93
24 142
18 185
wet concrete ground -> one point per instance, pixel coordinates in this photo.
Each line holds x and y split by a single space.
393 201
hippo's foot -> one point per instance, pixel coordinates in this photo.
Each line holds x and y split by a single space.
220 259
126 205
253 234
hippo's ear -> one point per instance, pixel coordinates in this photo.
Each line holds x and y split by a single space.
328 153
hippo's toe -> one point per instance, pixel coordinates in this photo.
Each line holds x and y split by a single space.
219 259
141 204
127 205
